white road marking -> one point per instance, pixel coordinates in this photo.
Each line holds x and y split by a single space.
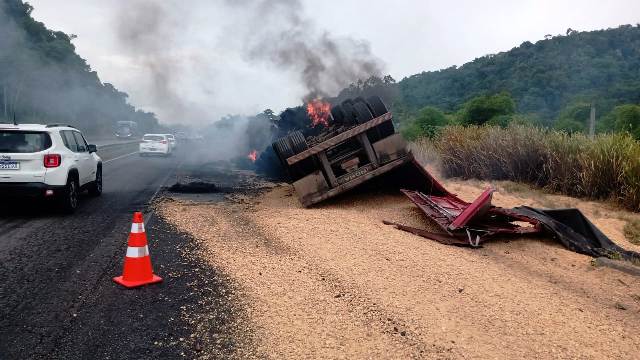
119 157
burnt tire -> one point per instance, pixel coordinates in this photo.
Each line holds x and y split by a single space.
363 115
337 114
283 149
349 113
362 112
298 142
303 167
378 108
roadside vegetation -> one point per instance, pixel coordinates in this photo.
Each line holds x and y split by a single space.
44 80
606 167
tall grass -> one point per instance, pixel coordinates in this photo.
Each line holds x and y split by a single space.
606 167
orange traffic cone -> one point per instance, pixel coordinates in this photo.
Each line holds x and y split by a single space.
137 263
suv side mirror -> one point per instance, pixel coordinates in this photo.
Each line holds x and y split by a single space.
93 148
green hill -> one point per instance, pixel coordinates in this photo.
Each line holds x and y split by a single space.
597 66
43 79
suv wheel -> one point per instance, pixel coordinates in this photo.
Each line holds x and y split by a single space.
96 188
69 201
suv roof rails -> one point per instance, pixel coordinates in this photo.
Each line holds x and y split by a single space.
59 125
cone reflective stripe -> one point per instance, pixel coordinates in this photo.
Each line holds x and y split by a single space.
137 262
137 228
137 252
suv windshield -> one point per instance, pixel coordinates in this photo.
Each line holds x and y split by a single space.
153 138
23 141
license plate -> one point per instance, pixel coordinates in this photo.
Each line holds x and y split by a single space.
152 149
9 165
352 175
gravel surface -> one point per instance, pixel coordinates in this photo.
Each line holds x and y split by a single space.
334 282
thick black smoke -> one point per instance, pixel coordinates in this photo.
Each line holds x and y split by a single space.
282 34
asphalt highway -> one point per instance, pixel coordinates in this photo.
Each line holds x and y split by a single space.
57 299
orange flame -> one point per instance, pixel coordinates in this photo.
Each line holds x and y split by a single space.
253 155
319 112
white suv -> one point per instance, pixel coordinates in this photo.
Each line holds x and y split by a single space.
49 161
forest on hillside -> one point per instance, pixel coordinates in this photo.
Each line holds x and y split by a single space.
543 78
552 83
44 80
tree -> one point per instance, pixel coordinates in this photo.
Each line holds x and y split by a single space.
574 117
626 118
481 109
43 79
543 78
427 123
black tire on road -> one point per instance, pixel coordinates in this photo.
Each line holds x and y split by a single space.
95 189
69 199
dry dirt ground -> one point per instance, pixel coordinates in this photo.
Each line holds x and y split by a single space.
334 282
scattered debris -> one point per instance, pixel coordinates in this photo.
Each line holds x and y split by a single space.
573 230
470 224
616 264
196 187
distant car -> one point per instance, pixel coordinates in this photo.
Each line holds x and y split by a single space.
48 161
155 144
126 129
172 141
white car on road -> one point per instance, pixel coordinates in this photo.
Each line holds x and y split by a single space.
172 141
48 161
155 144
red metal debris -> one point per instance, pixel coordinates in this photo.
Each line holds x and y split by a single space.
463 223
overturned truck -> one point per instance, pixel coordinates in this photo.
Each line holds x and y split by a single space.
358 144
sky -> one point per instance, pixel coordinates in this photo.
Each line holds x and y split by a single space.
207 48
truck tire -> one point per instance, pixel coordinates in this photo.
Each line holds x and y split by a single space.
363 114
299 144
347 109
337 114
378 108
283 150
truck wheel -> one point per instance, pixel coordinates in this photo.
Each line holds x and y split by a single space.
347 109
69 199
283 150
363 115
299 144
96 188
362 112
378 108
337 114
